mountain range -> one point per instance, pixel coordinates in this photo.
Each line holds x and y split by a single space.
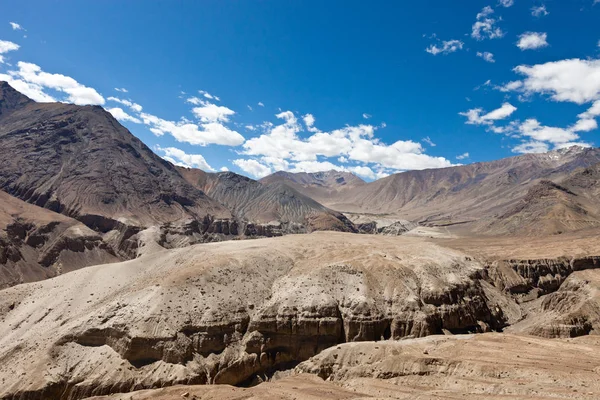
112 281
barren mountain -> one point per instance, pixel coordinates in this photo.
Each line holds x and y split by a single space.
275 203
230 311
458 194
36 243
550 208
81 162
320 186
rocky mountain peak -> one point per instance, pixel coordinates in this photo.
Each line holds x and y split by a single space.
10 99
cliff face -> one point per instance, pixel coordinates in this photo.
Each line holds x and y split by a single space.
37 244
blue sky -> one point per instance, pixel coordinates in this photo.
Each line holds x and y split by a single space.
370 87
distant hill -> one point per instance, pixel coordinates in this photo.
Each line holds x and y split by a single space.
275 202
454 195
321 186
551 208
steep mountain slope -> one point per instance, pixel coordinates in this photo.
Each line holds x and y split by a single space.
266 203
550 208
81 162
321 186
36 243
462 193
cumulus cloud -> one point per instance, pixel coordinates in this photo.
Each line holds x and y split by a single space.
506 3
533 129
462 156
592 112
309 121
252 167
572 80
261 104
539 11
179 157
487 56
445 47
282 147
121 115
475 117
366 116
5 47
485 26
122 90
33 82
532 40
585 125
185 131
209 112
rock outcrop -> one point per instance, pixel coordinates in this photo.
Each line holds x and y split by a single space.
36 243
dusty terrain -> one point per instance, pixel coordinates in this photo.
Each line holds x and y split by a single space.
229 312
487 366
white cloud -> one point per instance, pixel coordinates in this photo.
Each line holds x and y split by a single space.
223 169
428 141
366 116
446 47
30 80
185 131
355 143
592 112
462 156
261 104
208 95
573 80
208 112
253 168
532 40
539 11
16 27
249 107
487 56
506 3
533 129
510 86
134 106
5 47
485 26
309 121
123 90
181 158
474 116
531 147
585 125
121 115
